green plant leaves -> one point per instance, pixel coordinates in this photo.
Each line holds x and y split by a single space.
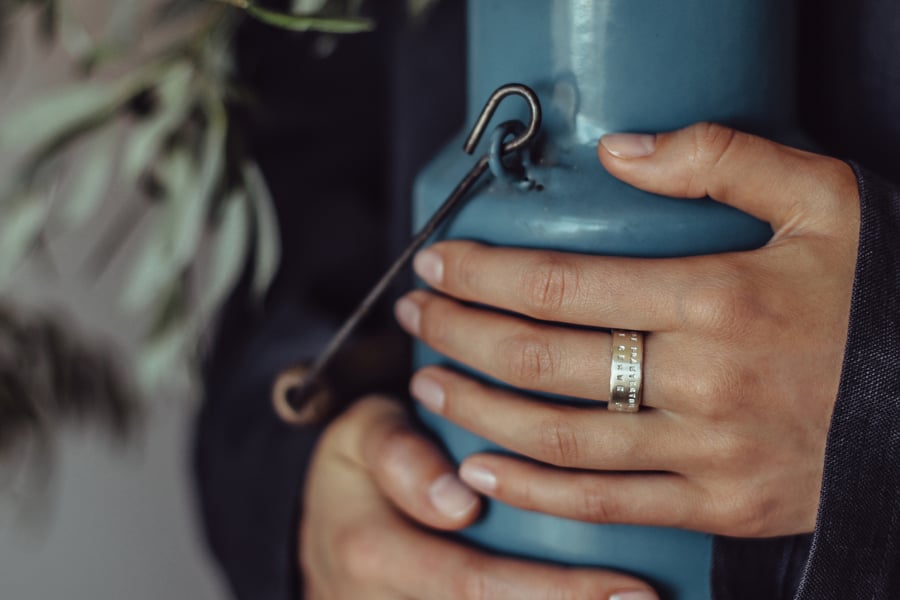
189 204
158 264
303 22
267 249
52 120
162 127
96 174
168 337
173 94
20 225
229 250
310 23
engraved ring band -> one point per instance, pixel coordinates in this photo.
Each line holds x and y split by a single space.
626 371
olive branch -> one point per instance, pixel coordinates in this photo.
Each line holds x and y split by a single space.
158 125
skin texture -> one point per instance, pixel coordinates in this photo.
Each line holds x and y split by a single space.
742 360
371 483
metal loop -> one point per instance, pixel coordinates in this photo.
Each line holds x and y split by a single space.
496 154
490 107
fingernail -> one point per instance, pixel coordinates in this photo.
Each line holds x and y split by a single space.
635 595
429 265
451 497
428 391
629 145
409 314
479 477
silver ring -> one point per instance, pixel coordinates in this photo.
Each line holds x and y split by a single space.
626 371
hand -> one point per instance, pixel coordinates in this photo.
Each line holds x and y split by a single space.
742 357
370 471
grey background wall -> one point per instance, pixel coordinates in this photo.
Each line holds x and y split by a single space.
113 521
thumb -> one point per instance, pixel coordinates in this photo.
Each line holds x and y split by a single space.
410 469
770 181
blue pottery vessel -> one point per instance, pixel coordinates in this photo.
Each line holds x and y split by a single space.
602 66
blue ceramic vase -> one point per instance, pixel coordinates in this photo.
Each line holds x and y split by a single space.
602 66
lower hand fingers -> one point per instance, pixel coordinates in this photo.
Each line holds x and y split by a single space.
410 469
418 565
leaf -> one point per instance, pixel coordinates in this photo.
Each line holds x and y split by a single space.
122 24
148 138
160 357
45 122
96 175
307 6
267 237
417 9
190 205
229 252
72 34
308 23
20 227
167 338
151 271
156 265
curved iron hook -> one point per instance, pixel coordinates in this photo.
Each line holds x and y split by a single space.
490 108
299 396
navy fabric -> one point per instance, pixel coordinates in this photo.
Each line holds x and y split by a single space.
340 139
856 546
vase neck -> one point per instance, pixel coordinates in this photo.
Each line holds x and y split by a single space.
637 65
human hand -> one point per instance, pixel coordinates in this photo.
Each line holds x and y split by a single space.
370 472
742 359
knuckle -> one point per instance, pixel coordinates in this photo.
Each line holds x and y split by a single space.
473 582
528 359
396 447
712 142
728 307
549 285
744 515
720 392
435 323
578 588
597 507
725 455
466 268
558 443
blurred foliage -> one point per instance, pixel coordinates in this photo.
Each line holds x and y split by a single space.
156 125
47 375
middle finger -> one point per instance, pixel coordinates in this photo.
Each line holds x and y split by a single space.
536 356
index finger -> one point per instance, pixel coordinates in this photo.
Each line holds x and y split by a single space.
598 291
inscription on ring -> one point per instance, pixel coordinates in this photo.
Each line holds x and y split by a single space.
626 370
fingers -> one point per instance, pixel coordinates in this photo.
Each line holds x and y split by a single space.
558 435
525 354
541 357
767 180
656 499
418 565
408 468
630 293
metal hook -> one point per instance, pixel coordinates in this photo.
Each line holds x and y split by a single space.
300 398
490 108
